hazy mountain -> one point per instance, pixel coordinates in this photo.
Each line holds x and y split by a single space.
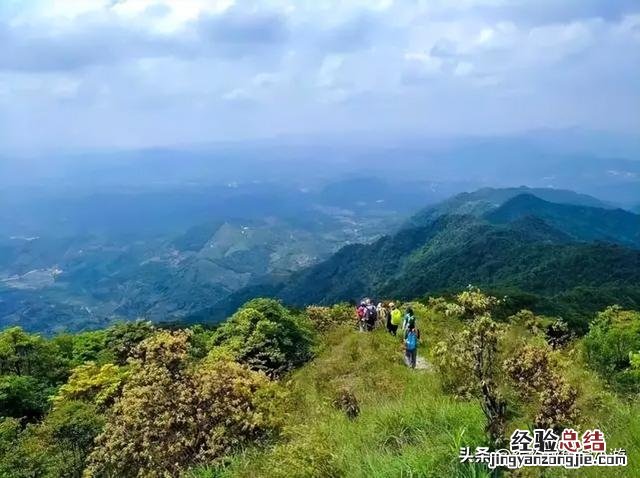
100 235
597 164
69 262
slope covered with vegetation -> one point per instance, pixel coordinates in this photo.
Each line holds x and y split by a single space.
278 392
541 257
70 264
579 222
485 200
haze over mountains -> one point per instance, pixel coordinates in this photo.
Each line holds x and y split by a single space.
90 238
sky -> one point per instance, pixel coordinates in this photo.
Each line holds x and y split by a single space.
142 73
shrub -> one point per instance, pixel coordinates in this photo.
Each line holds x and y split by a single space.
469 366
266 336
538 379
529 369
613 338
346 401
475 303
557 404
555 331
558 333
172 415
528 321
327 318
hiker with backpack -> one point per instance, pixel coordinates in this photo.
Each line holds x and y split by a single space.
361 311
411 341
409 319
371 315
394 320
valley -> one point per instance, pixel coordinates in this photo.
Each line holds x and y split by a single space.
86 271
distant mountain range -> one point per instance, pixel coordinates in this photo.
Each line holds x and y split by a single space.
68 263
198 254
571 257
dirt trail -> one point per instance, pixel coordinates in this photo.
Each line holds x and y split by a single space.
421 363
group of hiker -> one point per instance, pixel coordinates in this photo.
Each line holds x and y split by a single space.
389 315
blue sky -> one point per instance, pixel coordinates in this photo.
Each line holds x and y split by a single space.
137 73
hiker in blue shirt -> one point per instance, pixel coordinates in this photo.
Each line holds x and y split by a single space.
411 341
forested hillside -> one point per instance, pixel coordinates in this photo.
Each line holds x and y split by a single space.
560 259
580 222
275 392
485 200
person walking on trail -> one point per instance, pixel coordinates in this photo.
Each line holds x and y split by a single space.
361 312
409 319
394 320
383 313
411 341
371 314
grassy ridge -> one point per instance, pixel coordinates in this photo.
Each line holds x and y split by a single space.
280 393
408 427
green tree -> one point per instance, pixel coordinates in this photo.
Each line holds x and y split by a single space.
22 353
98 384
92 347
23 397
612 336
121 339
69 432
326 318
266 336
55 448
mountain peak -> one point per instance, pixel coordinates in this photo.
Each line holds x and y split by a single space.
583 223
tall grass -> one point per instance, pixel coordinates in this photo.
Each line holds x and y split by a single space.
407 427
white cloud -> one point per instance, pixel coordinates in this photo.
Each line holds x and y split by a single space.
464 68
132 68
237 94
264 80
328 71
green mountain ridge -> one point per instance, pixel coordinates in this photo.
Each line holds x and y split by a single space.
482 201
540 253
580 222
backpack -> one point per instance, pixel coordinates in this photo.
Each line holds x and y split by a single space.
371 313
411 322
396 317
361 311
412 340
